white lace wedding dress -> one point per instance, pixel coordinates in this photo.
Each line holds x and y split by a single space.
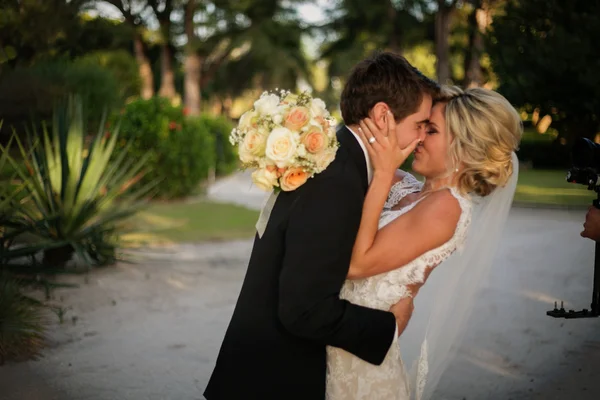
351 378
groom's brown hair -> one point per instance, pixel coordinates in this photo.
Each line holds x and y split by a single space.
385 77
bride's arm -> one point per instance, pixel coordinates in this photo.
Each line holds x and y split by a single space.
428 225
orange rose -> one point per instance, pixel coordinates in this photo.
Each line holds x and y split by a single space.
293 178
297 118
315 141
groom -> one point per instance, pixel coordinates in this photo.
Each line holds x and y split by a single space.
289 307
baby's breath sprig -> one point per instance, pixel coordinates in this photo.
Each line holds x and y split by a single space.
236 136
304 99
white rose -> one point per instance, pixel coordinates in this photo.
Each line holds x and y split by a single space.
254 142
266 163
245 156
301 151
265 179
267 104
331 132
324 158
281 147
318 107
246 120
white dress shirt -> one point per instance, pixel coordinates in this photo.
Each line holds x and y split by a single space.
364 149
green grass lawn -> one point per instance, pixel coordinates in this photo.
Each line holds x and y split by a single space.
179 222
189 222
545 187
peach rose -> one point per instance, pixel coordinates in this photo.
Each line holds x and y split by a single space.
297 118
315 141
281 147
325 124
293 178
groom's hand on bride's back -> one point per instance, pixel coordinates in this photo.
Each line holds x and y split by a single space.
403 310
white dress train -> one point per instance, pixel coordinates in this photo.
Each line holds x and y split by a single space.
351 378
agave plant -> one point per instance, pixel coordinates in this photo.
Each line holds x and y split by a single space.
12 223
79 192
18 258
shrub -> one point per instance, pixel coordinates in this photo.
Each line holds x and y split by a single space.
35 91
226 155
180 150
122 66
543 151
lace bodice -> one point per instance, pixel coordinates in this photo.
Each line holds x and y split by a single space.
350 378
383 290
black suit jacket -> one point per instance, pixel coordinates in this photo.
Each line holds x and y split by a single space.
289 307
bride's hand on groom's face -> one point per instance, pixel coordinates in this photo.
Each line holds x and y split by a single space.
382 145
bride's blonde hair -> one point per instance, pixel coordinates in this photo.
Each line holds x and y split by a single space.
485 130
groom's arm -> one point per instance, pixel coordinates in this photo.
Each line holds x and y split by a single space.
318 246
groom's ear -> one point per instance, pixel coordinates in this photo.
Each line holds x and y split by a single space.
379 114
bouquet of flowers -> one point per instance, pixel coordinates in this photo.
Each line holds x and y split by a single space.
287 138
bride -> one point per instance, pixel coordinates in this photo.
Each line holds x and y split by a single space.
451 224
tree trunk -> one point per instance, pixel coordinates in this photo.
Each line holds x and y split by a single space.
226 105
145 69
395 36
479 20
192 64
167 78
442 46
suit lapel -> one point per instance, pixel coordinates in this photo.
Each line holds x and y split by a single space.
348 143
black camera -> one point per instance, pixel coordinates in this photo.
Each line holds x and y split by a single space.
586 164
585 171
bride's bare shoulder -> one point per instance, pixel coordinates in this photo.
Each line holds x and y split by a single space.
441 204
